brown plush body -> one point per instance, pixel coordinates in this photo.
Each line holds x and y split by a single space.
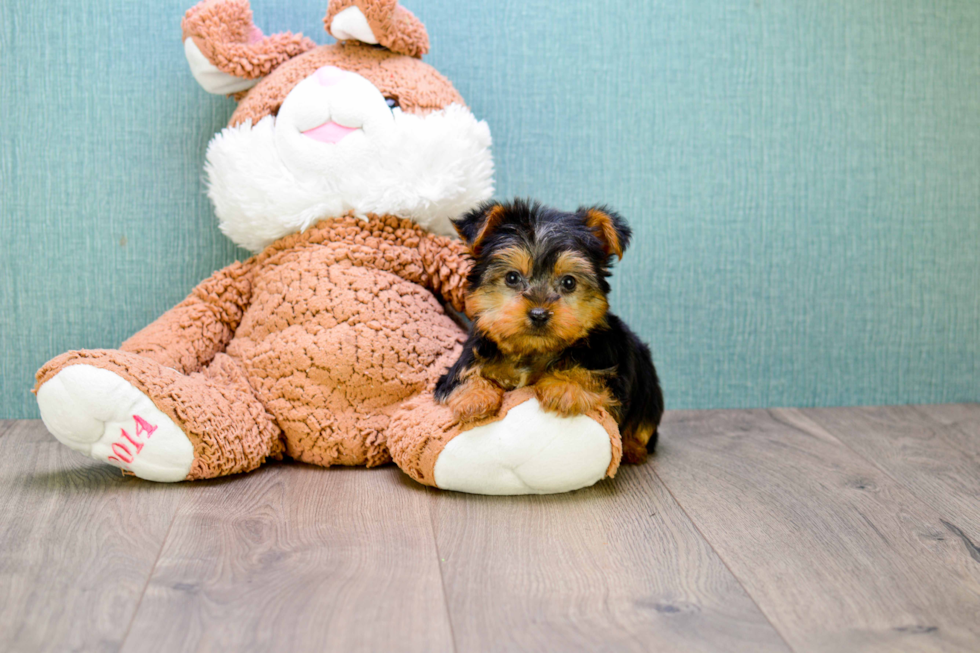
307 349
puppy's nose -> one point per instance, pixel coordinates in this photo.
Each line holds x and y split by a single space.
539 316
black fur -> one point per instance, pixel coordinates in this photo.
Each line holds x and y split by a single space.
611 347
634 384
542 228
615 348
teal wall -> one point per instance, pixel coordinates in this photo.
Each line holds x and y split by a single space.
803 177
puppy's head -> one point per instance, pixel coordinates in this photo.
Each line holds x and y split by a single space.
538 281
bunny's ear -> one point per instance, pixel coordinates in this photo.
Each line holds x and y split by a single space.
611 230
227 53
479 223
377 22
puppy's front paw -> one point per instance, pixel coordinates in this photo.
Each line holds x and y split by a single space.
568 396
476 399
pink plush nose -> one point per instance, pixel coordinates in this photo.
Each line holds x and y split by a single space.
330 75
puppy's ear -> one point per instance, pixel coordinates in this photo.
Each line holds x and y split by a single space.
611 230
475 226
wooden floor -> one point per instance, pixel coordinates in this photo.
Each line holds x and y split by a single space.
786 530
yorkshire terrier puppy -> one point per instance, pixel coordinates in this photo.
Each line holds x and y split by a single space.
537 295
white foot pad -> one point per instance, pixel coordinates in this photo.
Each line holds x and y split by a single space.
529 451
103 416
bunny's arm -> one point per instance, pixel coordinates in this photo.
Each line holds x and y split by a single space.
446 265
188 336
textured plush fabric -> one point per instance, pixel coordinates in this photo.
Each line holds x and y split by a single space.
216 409
802 178
421 429
394 26
418 87
232 42
204 323
327 334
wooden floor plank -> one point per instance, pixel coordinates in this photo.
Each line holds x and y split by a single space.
843 530
917 451
26 431
298 558
616 567
838 555
961 425
77 544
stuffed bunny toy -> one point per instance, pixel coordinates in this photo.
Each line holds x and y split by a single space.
341 168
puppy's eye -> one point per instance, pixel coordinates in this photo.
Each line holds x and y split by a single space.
513 279
391 102
568 283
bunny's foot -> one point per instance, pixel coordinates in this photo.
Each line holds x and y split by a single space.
523 449
103 416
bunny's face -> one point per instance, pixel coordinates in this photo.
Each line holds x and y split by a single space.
345 128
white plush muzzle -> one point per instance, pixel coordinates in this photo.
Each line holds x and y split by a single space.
336 148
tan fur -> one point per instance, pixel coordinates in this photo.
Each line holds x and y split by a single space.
602 225
635 443
475 398
573 391
575 317
491 223
501 312
506 325
512 258
574 264
513 373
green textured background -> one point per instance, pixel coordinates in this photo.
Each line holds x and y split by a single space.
803 177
